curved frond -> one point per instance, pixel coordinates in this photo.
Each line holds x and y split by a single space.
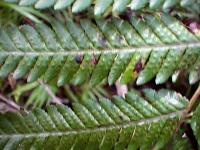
140 48
134 122
102 6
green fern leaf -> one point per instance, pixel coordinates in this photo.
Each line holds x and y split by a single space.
134 122
180 142
92 50
195 124
101 6
38 97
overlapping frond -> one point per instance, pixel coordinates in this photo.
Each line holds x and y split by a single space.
134 122
38 97
7 16
13 13
101 6
180 142
195 124
140 48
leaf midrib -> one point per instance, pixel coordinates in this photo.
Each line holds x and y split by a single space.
63 52
96 129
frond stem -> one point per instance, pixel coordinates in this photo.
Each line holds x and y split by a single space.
194 99
9 102
50 93
63 52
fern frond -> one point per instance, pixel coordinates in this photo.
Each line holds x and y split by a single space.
101 6
180 142
132 123
38 97
13 10
97 49
8 16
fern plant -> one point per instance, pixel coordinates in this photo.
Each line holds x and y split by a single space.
104 49
99 80
102 6
120 123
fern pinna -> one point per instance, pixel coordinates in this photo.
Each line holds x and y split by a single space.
141 48
195 124
101 7
134 122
